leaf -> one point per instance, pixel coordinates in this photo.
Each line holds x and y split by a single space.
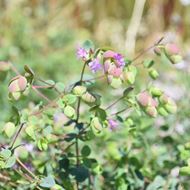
60 86
81 173
30 132
47 182
88 45
69 99
28 70
9 129
101 113
5 154
85 151
47 130
50 82
10 162
127 91
15 116
185 171
69 111
43 144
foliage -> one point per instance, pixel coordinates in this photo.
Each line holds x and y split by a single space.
55 145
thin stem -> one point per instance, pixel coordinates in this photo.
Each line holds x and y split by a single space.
79 99
41 95
121 111
16 136
147 49
25 168
53 86
111 105
77 118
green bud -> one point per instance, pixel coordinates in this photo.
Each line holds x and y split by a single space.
156 91
163 99
171 108
153 73
87 97
151 110
187 146
185 170
162 111
176 59
96 125
116 82
129 122
148 63
69 111
79 90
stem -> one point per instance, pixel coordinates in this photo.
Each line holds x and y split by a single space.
16 136
121 111
41 95
77 118
147 49
26 169
79 99
53 86
111 105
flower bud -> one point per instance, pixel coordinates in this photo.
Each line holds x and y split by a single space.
79 90
176 59
171 49
162 111
129 122
69 111
18 84
114 71
156 91
171 106
116 82
163 99
109 54
151 110
87 97
153 73
96 125
144 99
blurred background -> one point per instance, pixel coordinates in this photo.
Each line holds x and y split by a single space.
44 34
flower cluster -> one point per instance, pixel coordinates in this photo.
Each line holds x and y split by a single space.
111 63
171 51
155 101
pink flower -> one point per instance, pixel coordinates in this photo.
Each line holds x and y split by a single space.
81 53
109 54
172 49
120 62
113 124
114 71
95 65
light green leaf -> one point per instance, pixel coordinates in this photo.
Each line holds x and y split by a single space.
9 129
47 182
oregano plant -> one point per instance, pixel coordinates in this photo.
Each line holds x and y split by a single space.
62 142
